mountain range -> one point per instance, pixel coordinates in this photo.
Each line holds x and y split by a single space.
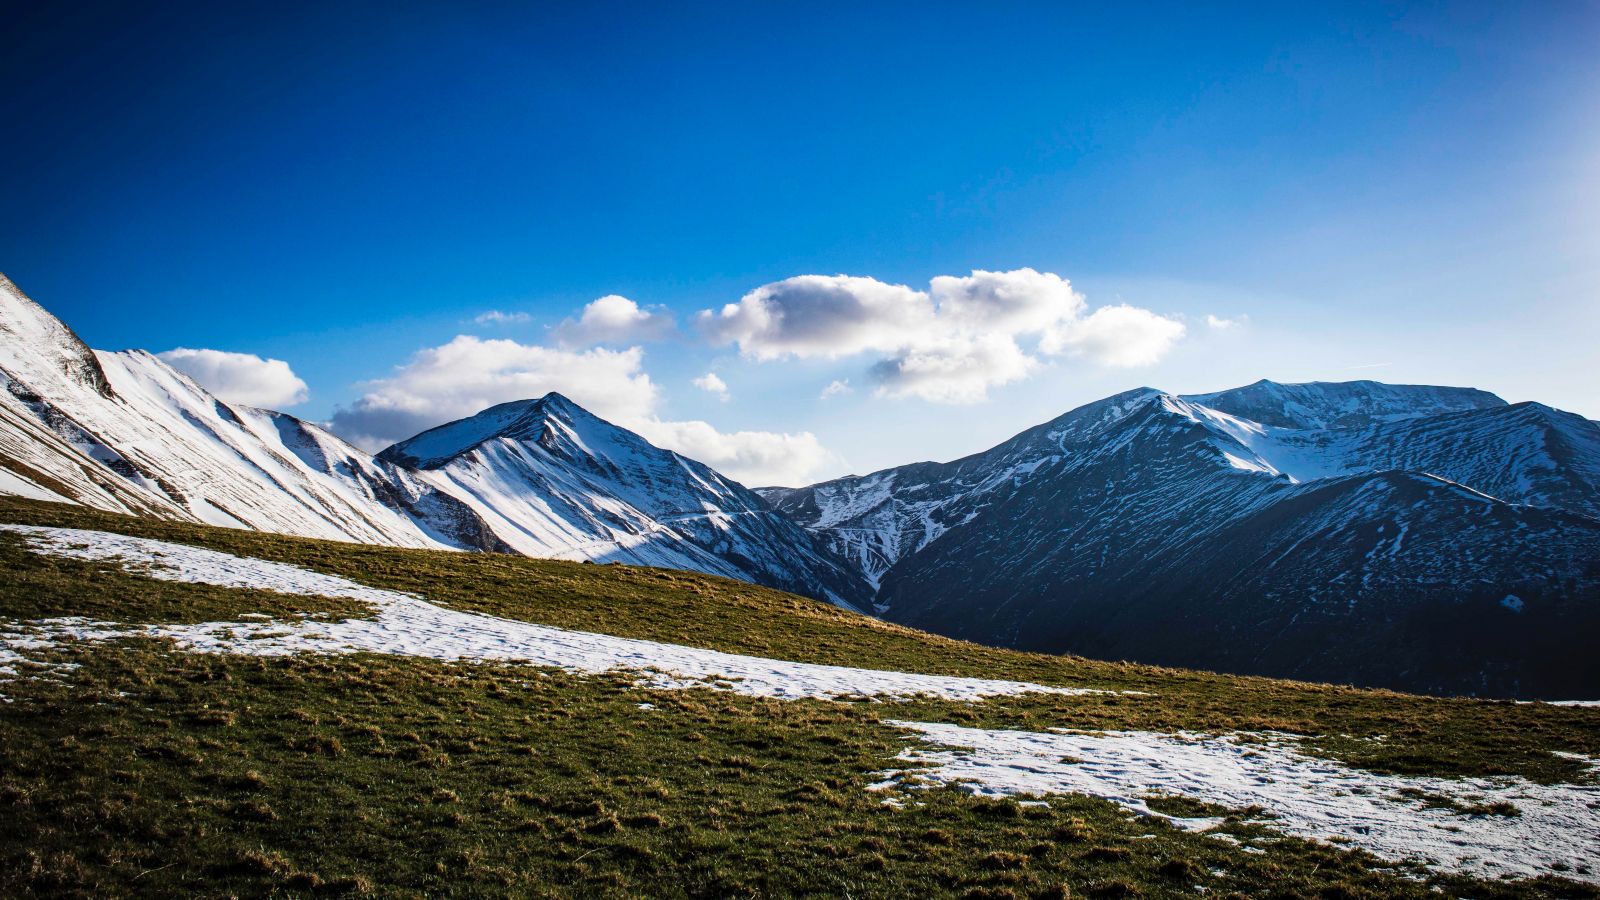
125 432
1426 538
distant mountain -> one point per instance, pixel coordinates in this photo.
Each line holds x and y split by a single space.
1407 536
555 480
124 432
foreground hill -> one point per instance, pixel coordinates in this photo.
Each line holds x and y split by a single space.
407 722
1425 538
124 432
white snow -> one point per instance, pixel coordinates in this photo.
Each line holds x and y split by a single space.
1310 797
407 625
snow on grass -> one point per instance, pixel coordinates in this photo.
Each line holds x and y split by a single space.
407 625
1430 823
1546 829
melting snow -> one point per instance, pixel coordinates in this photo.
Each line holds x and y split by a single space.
407 625
1309 796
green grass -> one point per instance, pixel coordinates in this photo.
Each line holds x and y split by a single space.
145 771
1421 735
148 771
41 587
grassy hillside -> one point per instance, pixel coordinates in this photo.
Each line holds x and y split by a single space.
140 769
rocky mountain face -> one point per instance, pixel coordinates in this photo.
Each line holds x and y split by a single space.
126 433
1423 538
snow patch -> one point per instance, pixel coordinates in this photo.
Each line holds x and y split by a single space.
407 625
1310 797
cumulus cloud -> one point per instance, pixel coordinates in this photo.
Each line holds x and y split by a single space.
1018 302
820 316
753 458
837 387
239 377
465 376
948 344
1120 336
711 384
1218 323
959 370
469 374
616 320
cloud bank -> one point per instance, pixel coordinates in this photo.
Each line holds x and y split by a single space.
948 344
240 377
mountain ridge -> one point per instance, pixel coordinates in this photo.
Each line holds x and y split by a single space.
1110 530
125 432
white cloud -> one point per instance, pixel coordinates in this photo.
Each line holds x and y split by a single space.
1018 302
711 384
752 458
1120 336
837 387
240 377
948 344
614 319
820 315
959 370
469 374
1218 323
497 317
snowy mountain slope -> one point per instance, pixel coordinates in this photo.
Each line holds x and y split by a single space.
556 481
878 519
1325 404
1523 453
40 459
125 432
1154 527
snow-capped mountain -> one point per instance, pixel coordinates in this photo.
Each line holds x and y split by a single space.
552 479
125 432
1418 537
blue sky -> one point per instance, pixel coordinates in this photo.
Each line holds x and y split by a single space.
1409 193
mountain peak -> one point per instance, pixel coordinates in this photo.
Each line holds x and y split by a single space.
527 421
39 349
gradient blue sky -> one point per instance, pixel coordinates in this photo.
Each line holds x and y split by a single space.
1406 192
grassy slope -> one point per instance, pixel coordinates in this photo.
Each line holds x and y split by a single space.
413 776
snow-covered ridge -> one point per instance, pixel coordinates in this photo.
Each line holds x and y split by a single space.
408 625
124 432
1347 404
1292 525
554 480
